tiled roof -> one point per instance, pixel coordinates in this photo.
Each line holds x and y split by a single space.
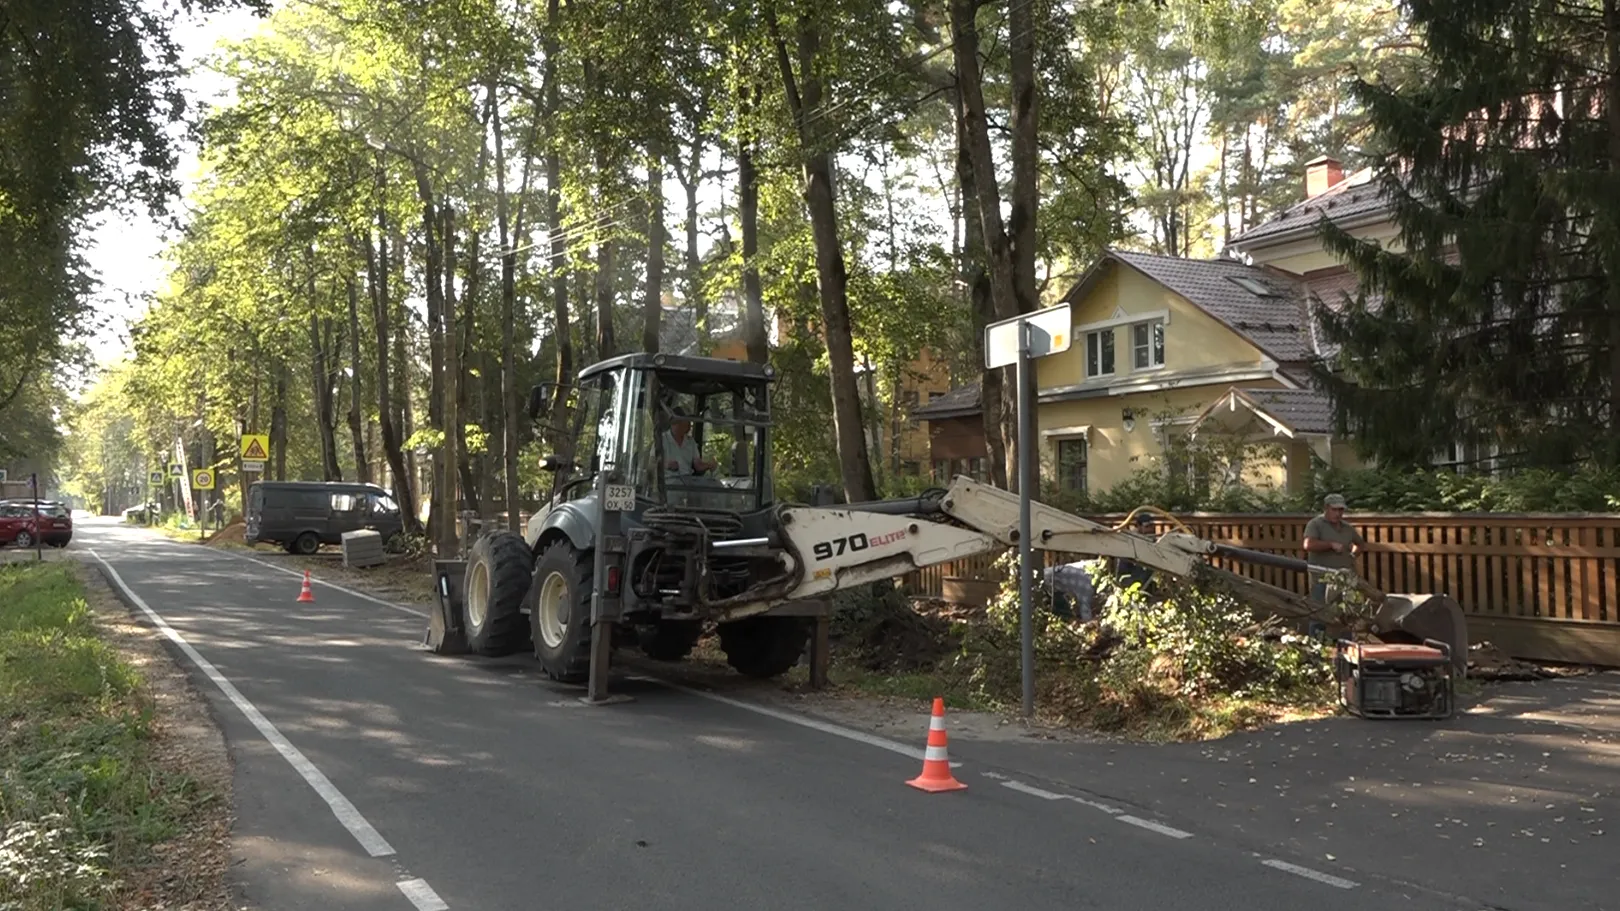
1275 323
1300 410
959 402
1357 195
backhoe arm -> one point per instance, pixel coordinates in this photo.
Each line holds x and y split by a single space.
842 548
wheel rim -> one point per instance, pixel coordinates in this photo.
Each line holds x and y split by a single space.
550 610
24 539
478 595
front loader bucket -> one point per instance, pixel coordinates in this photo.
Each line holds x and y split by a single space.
1414 618
445 634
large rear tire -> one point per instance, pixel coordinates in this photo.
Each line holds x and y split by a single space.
499 570
560 621
670 640
764 647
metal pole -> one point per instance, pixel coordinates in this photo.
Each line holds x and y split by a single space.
1026 599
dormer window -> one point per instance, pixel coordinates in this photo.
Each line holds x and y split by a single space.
1147 345
1100 352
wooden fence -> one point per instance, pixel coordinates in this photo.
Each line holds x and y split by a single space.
1539 586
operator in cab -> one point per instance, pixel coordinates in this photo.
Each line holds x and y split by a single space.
681 453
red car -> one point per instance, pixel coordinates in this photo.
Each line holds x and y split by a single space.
21 521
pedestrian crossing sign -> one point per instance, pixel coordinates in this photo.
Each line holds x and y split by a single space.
255 447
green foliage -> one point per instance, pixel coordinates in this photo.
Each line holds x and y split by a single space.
1203 642
81 801
1490 320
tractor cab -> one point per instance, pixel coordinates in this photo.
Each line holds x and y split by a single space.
686 432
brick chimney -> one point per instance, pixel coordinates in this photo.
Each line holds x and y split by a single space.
1321 175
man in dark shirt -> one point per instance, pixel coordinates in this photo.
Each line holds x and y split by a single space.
1331 543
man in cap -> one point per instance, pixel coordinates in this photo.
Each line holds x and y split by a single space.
1331 543
681 453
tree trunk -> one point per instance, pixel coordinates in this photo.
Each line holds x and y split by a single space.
278 422
805 104
694 265
755 335
509 424
465 357
324 408
557 250
381 318
441 528
975 134
357 433
653 306
977 279
1021 218
453 432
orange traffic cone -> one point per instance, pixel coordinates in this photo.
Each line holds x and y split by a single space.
307 594
936 772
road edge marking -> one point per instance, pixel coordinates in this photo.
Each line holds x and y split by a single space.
422 895
345 811
342 588
1152 826
1325 878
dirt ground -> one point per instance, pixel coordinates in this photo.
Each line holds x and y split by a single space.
189 872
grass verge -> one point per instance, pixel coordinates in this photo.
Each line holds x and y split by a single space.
84 800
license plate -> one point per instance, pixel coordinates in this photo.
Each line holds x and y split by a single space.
619 498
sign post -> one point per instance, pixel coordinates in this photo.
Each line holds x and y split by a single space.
255 451
1017 342
202 479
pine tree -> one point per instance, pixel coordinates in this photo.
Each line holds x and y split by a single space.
1496 318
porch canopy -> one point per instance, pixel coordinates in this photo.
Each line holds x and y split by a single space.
1270 415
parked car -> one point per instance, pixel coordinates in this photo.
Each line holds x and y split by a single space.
302 515
52 522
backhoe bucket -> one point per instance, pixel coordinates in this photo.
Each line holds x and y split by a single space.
445 634
1414 618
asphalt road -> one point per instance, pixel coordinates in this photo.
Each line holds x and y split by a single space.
370 774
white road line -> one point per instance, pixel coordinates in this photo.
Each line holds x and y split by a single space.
1152 826
369 838
1022 788
347 591
826 727
422 895
1112 811
1308 873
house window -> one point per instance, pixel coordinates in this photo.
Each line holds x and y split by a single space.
978 469
911 468
1071 464
942 469
1147 345
1100 353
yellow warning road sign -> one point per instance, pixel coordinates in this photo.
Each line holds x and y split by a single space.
202 479
255 446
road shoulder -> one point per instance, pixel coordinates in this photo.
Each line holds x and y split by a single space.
189 872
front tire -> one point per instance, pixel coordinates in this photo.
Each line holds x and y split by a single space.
560 622
764 647
498 573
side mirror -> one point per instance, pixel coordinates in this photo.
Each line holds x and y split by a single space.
555 464
538 396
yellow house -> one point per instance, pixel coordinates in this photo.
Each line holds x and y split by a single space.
1159 344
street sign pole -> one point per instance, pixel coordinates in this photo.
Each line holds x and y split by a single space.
1026 601
1017 342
